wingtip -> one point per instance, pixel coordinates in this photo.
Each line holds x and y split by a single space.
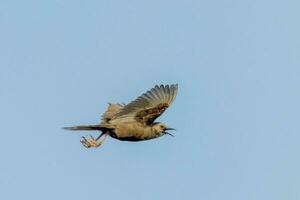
162 86
172 85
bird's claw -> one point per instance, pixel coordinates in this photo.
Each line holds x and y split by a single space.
90 142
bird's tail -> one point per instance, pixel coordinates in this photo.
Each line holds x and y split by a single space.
86 128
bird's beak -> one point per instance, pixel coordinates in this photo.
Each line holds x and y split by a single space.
169 134
168 129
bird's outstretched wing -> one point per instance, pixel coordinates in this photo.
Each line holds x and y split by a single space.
112 109
150 105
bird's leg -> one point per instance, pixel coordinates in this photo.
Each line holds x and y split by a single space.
93 142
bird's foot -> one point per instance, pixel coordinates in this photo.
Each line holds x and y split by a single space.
90 142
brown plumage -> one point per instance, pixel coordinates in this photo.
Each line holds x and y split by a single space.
134 121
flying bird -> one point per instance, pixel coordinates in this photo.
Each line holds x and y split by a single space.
134 121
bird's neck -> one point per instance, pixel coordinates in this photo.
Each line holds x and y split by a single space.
154 132
148 133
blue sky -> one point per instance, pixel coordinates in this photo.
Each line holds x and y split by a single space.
236 114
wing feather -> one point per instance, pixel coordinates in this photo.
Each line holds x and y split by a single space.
157 92
163 93
167 91
150 105
174 92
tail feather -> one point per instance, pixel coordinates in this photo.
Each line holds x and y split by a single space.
86 128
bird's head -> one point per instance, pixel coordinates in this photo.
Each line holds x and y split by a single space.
161 129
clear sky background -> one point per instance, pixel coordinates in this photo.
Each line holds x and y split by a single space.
237 64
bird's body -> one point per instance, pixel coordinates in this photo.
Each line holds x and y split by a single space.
131 131
134 121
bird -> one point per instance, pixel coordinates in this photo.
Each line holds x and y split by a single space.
134 121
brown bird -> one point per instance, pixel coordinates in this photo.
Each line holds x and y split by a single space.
134 121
